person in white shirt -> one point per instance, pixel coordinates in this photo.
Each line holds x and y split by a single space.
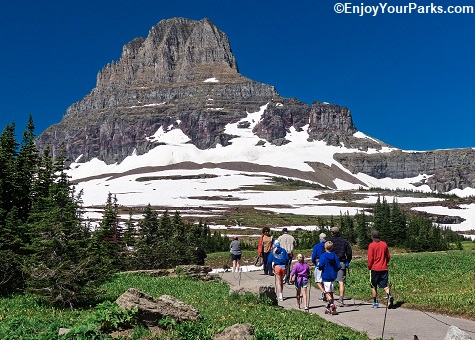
287 242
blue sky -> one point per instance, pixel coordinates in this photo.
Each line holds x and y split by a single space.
408 79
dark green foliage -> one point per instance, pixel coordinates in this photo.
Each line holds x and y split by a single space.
108 242
60 266
347 227
362 230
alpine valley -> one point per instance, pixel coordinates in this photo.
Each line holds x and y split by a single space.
174 124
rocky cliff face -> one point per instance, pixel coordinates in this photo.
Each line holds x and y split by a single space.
447 169
182 75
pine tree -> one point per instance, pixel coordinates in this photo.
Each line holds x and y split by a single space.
151 248
11 242
363 233
8 161
26 170
108 238
61 266
398 226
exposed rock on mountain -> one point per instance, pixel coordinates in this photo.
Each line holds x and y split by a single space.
449 169
183 75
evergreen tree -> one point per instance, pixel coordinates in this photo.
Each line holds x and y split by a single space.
12 240
61 266
363 232
8 161
166 231
148 240
130 232
398 226
108 238
381 223
26 170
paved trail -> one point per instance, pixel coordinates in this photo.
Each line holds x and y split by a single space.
401 323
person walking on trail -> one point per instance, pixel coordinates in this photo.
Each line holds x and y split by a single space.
279 258
342 249
235 249
264 248
329 264
287 242
378 260
299 276
317 251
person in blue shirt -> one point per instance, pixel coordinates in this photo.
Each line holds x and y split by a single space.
317 251
329 264
280 258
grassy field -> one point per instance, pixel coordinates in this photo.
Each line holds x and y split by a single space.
442 282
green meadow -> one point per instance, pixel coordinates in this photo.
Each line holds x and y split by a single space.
442 282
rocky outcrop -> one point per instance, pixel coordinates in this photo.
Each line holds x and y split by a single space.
447 169
151 310
183 75
263 290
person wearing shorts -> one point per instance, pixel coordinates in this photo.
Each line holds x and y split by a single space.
317 251
329 264
279 258
235 249
378 260
342 249
299 276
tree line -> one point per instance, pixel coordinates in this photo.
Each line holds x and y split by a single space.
46 247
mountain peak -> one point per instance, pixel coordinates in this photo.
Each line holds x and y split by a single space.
177 50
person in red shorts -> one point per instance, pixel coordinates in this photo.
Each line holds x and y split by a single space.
378 260
279 258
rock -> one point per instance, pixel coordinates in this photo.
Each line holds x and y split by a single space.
193 270
182 76
236 332
448 169
63 331
257 290
151 310
455 333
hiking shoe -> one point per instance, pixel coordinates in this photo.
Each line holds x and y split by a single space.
328 311
333 309
341 303
375 304
306 308
391 302
323 298
281 299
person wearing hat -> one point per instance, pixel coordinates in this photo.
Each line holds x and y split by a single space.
235 249
279 258
378 260
317 251
342 249
287 242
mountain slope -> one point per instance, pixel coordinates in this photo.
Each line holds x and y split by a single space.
174 123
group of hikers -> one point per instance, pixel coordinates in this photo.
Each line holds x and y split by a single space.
331 258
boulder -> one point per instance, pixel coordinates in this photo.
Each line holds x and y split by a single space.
256 289
152 310
236 332
455 333
193 270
